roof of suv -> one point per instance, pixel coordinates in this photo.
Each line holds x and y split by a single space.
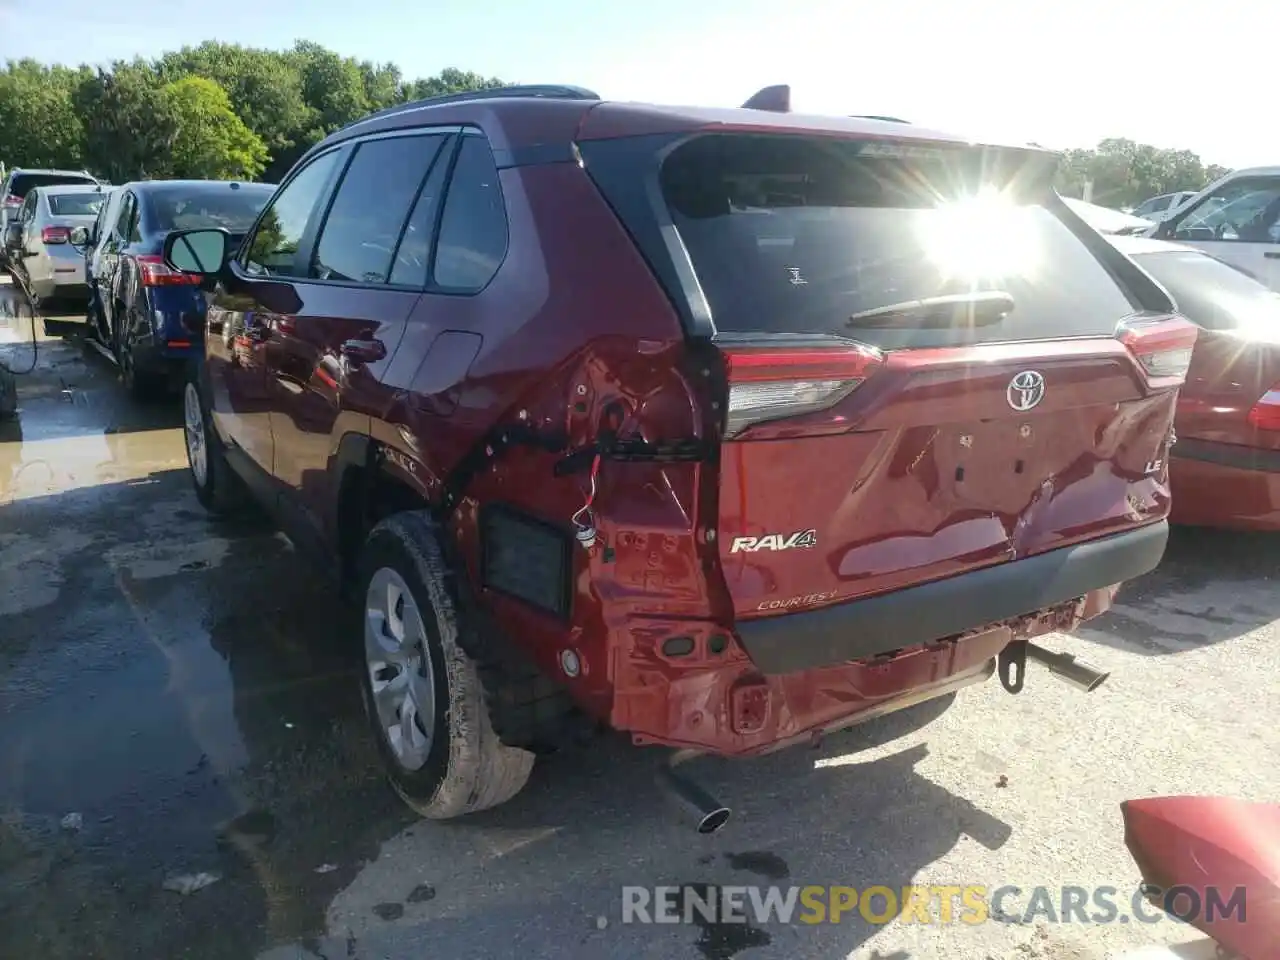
22 171
539 117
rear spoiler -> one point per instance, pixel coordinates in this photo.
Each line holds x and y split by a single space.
777 99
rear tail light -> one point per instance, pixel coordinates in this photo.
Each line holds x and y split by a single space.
1162 346
772 383
12 201
55 234
154 273
1265 414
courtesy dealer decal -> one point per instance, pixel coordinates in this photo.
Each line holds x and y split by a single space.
775 541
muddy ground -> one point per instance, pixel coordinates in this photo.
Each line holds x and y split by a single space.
177 699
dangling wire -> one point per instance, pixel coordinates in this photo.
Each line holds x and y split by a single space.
582 519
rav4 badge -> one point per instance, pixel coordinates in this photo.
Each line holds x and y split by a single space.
775 541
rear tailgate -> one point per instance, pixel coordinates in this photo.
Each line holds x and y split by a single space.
868 450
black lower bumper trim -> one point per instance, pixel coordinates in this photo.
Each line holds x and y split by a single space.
864 628
1227 455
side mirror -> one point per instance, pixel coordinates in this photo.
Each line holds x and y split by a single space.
79 237
202 252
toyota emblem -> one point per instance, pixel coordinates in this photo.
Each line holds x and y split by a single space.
1026 390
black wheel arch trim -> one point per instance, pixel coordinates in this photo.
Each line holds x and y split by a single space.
1226 455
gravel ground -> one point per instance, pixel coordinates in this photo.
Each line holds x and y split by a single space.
183 688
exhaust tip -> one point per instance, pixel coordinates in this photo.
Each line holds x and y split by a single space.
714 820
1097 681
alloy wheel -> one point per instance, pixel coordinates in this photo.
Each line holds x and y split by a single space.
193 429
401 679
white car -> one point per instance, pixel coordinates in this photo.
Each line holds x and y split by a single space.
1106 220
1236 219
1159 208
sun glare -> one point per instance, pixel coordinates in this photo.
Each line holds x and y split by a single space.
982 237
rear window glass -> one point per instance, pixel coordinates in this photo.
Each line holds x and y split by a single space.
23 182
233 210
76 204
1213 294
797 235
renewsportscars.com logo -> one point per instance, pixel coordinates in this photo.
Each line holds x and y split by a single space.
932 904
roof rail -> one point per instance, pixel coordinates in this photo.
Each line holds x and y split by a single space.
548 91
875 116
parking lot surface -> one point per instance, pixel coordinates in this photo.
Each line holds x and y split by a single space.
185 770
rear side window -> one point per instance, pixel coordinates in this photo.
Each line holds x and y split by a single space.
1213 294
797 235
76 204
25 182
413 256
362 231
473 227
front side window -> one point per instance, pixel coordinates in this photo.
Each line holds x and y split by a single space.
273 252
1245 210
1148 207
362 231
473 226
100 222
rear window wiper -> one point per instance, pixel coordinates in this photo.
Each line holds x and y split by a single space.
979 308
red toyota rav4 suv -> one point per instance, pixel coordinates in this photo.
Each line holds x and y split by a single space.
722 428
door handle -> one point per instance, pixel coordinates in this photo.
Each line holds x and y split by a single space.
1271 254
364 351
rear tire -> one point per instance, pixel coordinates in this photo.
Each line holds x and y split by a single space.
218 487
140 384
421 692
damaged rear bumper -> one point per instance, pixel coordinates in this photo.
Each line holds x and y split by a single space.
887 655
878 625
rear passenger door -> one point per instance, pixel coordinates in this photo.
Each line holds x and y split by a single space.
109 265
362 270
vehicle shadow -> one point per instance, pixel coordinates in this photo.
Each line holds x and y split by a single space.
1211 586
544 875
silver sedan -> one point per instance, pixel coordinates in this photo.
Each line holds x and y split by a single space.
45 240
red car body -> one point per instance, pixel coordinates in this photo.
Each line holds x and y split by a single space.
1225 466
792 524
1214 862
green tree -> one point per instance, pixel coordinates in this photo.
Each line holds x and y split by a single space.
1122 172
451 80
333 86
129 126
210 142
264 86
138 120
39 123
383 85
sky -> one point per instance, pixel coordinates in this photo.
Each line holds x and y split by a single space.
1061 73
